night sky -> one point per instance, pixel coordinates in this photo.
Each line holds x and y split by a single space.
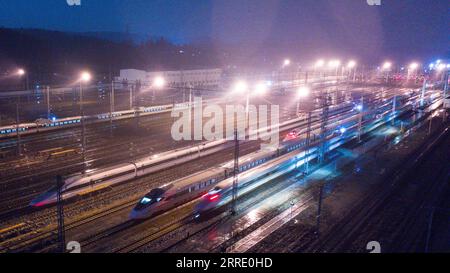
398 29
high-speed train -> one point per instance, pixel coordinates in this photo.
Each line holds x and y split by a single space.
186 189
102 178
42 125
194 186
255 169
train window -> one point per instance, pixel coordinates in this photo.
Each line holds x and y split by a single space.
3 132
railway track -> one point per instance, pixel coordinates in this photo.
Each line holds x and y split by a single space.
345 232
140 187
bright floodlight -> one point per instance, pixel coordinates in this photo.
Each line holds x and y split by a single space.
334 63
351 64
441 67
21 72
413 66
85 76
320 63
387 65
240 87
261 88
159 82
286 62
303 92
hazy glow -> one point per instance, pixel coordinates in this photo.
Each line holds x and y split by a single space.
387 65
413 66
286 62
159 82
240 87
334 64
320 63
303 92
20 72
261 88
85 76
351 64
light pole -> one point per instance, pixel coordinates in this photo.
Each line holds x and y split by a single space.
412 69
20 72
48 101
387 67
352 68
241 87
111 107
318 65
85 77
158 83
302 92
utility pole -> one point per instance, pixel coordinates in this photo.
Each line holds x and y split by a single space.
235 172
48 101
308 143
19 146
319 210
323 130
444 115
60 207
422 96
361 113
394 108
83 137
131 96
111 108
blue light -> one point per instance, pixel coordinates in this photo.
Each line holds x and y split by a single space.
359 107
342 130
146 200
53 119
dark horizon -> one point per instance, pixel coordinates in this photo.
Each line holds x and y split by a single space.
402 30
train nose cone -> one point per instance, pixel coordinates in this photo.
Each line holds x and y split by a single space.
136 215
38 201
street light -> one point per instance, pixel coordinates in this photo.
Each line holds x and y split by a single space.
286 62
334 64
158 83
412 68
319 63
261 88
302 92
352 65
240 87
85 77
387 65
21 72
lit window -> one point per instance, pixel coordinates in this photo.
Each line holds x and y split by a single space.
146 200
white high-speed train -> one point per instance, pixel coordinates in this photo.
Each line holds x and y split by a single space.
253 172
54 124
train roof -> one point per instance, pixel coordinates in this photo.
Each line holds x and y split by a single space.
197 177
248 157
